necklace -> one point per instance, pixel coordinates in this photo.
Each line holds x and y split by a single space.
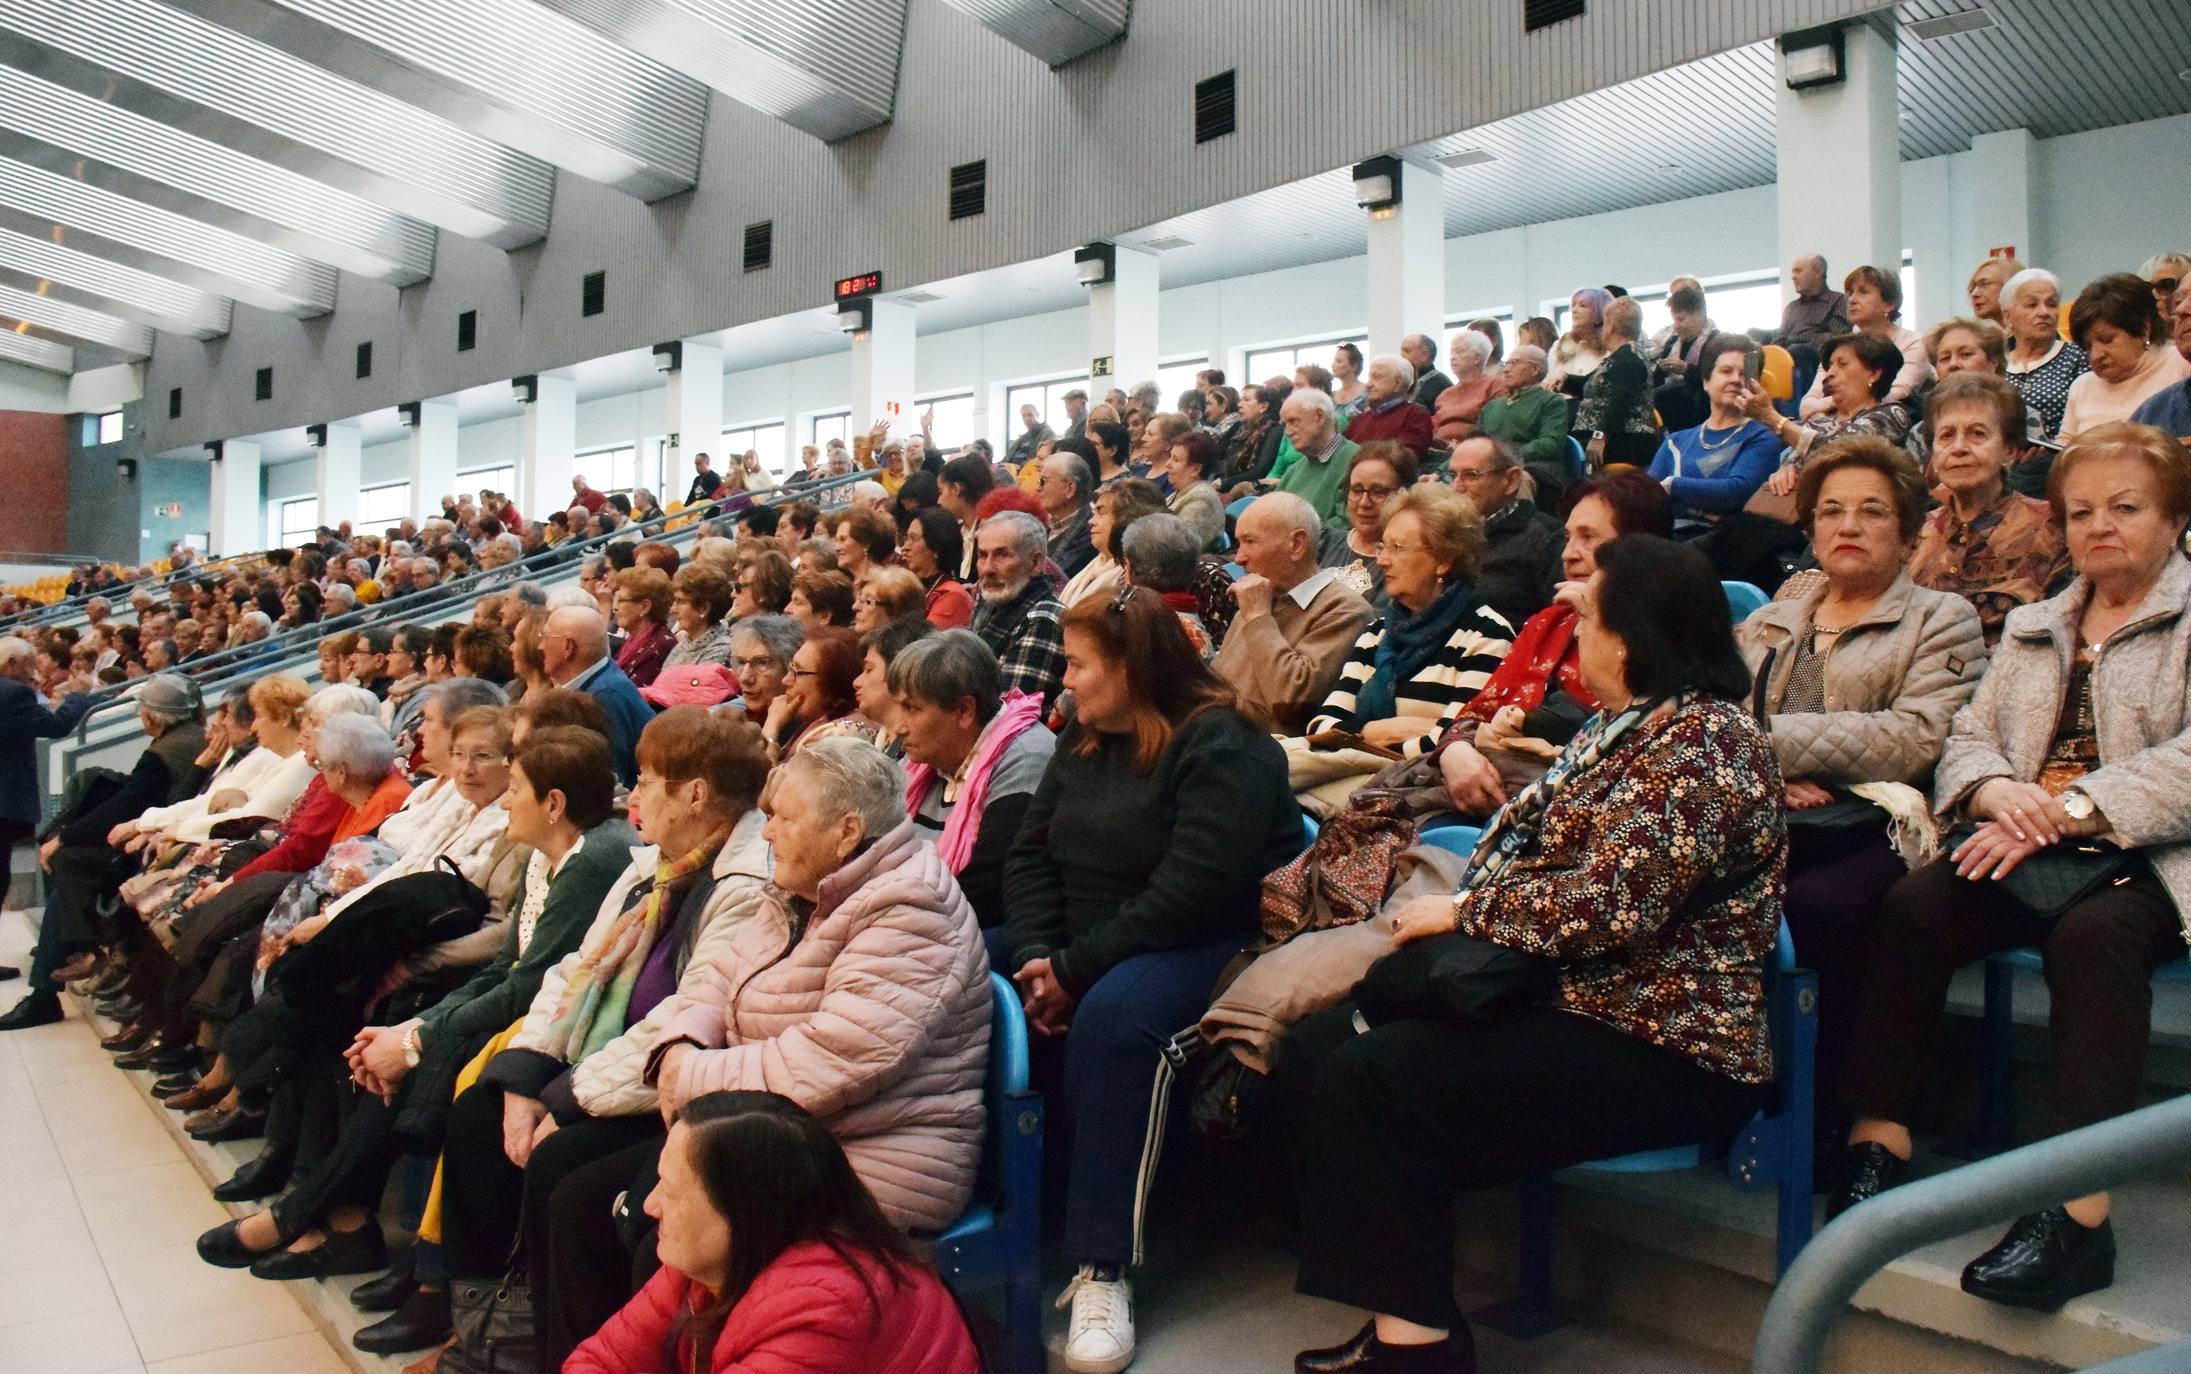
1707 446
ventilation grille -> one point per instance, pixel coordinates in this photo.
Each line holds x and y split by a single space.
467 331
175 403
1166 244
919 297
1468 157
264 388
969 189
1538 14
1948 25
593 293
760 245
1213 107
365 360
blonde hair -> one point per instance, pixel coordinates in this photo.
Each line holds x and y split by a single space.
1452 526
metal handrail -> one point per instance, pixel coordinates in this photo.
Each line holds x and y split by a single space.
1842 1258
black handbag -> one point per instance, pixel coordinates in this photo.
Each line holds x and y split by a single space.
1454 977
493 1322
2050 882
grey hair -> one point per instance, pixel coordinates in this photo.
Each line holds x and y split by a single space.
260 621
342 594
399 548
1161 552
868 489
1076 471
2025 278
1029 539
1505 453
357 744
779 634
852 778
1317 400
1530 353
944 669
510 544
1398 364
13 649
533 594
569 594
460 694
1149 393
341 700
1475 343
1291 511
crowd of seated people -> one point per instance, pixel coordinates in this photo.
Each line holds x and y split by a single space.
632 932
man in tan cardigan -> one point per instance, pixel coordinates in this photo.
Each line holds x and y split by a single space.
1296 622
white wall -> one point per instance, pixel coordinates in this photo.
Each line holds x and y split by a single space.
31 388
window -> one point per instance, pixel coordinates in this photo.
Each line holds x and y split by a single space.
765 438
107 428
608 469
1266 363
1503 318
502 479
384 505
953 427
1177 376
300 521
836 424
1046 397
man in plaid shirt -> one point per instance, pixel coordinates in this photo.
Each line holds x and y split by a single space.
1018 617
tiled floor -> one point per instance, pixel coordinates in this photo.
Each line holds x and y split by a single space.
99 1209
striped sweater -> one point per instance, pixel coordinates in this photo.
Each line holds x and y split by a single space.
1437 692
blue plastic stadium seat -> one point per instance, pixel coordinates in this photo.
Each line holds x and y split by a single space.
1309 829
1743 598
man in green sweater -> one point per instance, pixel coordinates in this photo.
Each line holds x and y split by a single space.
1320 477
1534 420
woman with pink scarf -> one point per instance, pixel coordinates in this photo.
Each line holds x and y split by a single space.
973 758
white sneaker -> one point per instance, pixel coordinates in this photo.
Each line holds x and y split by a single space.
1100 1337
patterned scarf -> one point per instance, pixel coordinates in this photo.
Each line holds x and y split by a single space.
598 994
1516 823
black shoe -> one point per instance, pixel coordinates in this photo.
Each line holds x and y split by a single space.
261 1176
1867 1170
37 1009
8 971
420 1324
1346 1355
178 1059
1365 1354
222 1248
143 1056
343 1252
174 1085
112 981
388 1292
120 1008
2046 1259
240 1124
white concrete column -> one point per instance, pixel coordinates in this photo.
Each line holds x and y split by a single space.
433 457
1407 262
1122 316
338 469
239 515
882 375
2001 205
1840 183
547 435
693 411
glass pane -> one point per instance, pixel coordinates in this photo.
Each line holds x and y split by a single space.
603 467
384 505
954 420
502 479
300 520
1739 309
1173 378
833 426
110 427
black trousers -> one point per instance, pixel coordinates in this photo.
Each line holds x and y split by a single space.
1837 878
352 1171
1389 1126
2100 956
590 1265
76 876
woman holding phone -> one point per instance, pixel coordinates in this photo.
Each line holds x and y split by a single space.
1712 470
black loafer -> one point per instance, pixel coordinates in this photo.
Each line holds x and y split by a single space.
262 1176
1365 1354
174 1085
120 1008
222 1248
388 1292
1867 1170
420 1324
144 1055
2046 1259
343 1252
1348 1354
240 1124
8 971
37 1009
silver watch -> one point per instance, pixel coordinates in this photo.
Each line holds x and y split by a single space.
2077 805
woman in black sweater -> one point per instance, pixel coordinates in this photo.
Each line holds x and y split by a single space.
1133 882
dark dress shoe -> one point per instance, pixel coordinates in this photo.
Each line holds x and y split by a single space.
178 1059
8 971
388 1292
1365 1354
1867 1170
343 1252
261 1176
120 1008
240 1124
144 1056
420 1324
2046 1259
174 1085
38 1009
128 1037
112 981
199 1098
222 1248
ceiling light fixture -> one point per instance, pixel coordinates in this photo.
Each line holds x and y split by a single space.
1811 58
1096 263
1948 25
1377 183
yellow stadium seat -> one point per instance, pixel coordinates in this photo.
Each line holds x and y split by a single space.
2066 336
1779 373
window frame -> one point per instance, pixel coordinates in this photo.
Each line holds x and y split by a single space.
291 537
1323 343
366 519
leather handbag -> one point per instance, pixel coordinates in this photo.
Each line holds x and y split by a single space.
493 1321
1454 977
2050 882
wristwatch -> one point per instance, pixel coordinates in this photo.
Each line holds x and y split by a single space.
2077 805
410 1046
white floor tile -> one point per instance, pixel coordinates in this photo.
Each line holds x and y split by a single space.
87 1343
30 1244
305 1354
177 1304
148 1207
24 1202
57 1287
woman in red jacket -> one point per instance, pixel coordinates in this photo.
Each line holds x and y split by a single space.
774 1257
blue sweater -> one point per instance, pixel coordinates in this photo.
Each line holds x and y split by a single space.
1755 454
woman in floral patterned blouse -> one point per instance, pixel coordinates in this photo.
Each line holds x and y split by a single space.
1648 863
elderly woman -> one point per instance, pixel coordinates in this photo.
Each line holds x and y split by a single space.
1116 508
1985 288
1857 373
1987 543
263 783
2041 363
763 585
643 605
1132 883
1582 348
1414 668
2125 338
1614 423
819 700
1253 449
761 647
1875 309
974 758
1714 469
1375 474
2074 739
1645 866
1967 345
1474 385
1861 674
1192 462
821 598
888 594
700 596
2163 273
644 506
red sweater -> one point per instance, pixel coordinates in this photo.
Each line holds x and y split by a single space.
1407 422
805 1314
307 836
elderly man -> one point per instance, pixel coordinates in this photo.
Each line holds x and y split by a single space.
1076 414
1532 419
1421 352
1817 313
1019 617
1319 474
2170 408
706 481
1033 435
79 858
583 494
1389 410
1521 570
97 610
24 720
575 647
1295 622
1067 493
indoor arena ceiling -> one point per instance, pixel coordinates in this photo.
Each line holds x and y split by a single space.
161 160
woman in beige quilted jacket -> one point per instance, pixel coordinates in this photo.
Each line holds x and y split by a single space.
1859 675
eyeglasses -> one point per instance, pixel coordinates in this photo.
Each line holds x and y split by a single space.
1357 492
2166 286
1475 474
483 760
1404 549
754 665
1121 601
1869 513
797 673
